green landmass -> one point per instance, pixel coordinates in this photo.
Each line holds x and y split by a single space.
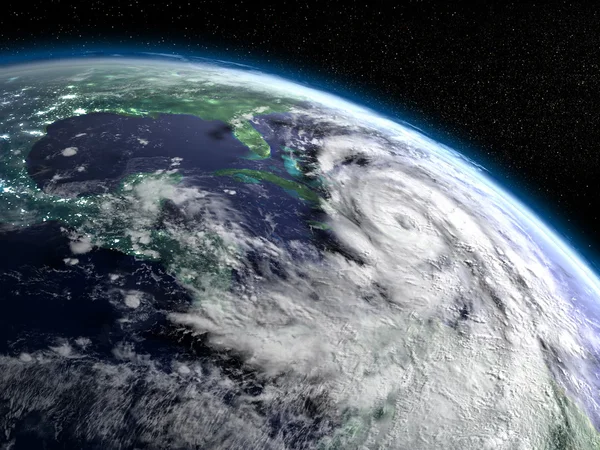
128 220
247 134
303 192
151 94
572 429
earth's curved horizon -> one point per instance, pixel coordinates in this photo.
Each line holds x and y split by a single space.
202 255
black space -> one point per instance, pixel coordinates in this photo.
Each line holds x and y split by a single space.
515 86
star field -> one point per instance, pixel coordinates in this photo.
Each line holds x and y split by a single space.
514 86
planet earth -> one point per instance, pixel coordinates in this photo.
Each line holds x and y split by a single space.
200 255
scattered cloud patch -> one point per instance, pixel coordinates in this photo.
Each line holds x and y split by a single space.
69 151
133 299
83 342
81 245
64 350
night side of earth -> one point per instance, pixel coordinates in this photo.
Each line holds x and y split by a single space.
199 256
